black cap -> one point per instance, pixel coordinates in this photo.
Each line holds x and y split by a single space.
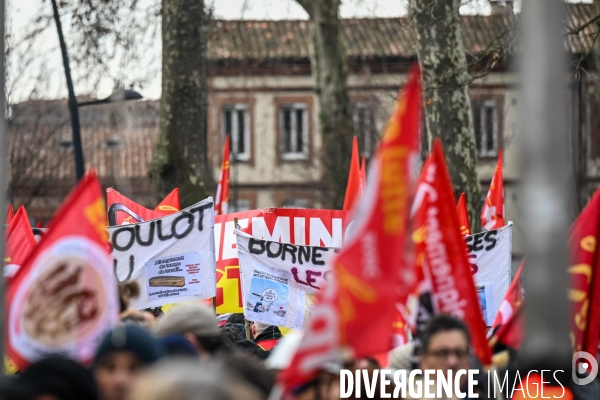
61 377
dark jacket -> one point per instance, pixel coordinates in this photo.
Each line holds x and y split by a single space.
268 338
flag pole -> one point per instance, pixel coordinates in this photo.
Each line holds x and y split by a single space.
546 189
3 173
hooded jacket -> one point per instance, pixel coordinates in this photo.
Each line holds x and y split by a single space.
268 338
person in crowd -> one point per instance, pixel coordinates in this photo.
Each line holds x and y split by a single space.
192 380
266 336
238 321
230 335
251 370
178 346
121 355
53 378
249 347
402 357
197 323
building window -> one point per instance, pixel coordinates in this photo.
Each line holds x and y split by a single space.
293 127
236 125
485 121
238 205
295 203
364 128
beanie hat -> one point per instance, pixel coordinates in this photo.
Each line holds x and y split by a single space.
402 357
133 339
195 318
57 376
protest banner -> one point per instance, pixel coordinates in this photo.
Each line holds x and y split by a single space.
123 211
325 228
280 280
172 258
64 298
490 255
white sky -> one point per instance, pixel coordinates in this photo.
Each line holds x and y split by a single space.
20 13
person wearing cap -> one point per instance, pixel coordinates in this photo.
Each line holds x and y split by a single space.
197 323
266 336
123 352
53 378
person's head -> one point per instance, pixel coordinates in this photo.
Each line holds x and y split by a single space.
197 323
53 378
187 379
236 318
445 344
121 355
230 334
258 328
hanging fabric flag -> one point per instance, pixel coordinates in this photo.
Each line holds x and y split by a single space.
369 276
123 211
584 272
353 188
222 197
463 215
492 214
64 298
39 224
512 300
445 260
10 213
363 175
20 242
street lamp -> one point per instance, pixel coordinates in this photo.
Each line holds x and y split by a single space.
120 95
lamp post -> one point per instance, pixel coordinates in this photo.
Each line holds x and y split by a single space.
120 95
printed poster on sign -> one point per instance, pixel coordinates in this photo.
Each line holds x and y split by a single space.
490 256
172 258
268 297
177 275
280 280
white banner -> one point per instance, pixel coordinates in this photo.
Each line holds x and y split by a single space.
172 258
280 280
490 257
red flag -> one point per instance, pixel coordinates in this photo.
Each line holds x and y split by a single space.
353 189
64 298
222 197
38 224
510 334
463 215
357 307
445 255
170 204
20 242
122 210
584 272
363 174
492 214
512 300
10 213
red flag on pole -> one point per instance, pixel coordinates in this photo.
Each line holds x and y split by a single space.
222 197
492 214
10 213
369 275
512 300
363 174
20 242
38 224
122 210
463 215
64 298
354 187
445 255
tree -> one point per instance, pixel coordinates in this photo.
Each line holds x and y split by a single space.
446 99
329 69
179 158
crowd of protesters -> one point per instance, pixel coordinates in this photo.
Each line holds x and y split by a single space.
187 354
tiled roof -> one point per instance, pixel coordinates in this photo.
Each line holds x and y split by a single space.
368 37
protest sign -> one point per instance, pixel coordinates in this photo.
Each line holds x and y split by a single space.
325 228
172 258
64 298
279 280
490 256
